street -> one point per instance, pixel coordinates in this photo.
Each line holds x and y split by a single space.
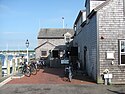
61 89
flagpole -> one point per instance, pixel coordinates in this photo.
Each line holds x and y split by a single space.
63 21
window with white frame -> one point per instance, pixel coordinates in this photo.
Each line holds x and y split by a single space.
122 52
67 38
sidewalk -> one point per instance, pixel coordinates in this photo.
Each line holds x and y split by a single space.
51 76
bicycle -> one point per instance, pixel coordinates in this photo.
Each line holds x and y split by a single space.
24 69
33 68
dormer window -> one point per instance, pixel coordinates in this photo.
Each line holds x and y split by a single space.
67 37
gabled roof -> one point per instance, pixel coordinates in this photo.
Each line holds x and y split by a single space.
93 0
54 33
98 8
44 44
79 15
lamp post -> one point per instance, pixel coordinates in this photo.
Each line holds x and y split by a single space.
27 45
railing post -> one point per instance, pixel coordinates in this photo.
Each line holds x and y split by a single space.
14 66
8 67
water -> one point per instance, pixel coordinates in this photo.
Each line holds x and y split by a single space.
2 58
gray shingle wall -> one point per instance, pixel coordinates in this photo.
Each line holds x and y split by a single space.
88 37
112 28
54 43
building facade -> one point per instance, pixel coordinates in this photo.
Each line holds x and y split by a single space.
52 44
100 39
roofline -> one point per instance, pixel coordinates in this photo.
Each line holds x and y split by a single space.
55 28
102 5
85 3
60 37
79 15
43 44
93 0
98 8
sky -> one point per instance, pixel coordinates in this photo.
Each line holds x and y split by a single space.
21 20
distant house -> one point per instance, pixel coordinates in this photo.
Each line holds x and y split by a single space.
52 43
100 38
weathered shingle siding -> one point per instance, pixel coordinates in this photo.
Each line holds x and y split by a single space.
88 37
112 28
54 42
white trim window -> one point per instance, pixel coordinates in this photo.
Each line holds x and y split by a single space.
122 52
67 37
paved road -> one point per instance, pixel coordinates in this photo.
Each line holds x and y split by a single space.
61 89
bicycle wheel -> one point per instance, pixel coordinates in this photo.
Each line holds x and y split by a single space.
27 72
33 70
20 70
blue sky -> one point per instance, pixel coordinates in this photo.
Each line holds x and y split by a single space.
21 19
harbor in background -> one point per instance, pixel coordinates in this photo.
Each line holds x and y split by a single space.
10 60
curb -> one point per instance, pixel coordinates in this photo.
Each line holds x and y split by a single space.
14 77
5 81
9 79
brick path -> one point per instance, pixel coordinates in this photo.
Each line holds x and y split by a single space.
51 76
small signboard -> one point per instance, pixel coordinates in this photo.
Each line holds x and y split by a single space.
107 75
110 55
64 61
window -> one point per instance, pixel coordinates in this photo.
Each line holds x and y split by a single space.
122 52
44 53
67 38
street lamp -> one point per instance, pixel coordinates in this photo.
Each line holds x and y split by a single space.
27 45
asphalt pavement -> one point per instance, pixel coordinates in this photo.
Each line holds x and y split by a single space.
61 89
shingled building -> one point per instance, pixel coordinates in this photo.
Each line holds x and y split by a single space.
52 44
100 38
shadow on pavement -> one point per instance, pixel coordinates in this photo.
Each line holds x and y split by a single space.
117 92
60 72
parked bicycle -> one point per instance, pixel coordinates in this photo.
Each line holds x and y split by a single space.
24 69
33 68
40 64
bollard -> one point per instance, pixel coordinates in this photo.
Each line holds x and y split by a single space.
107 78
14 66
106 81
